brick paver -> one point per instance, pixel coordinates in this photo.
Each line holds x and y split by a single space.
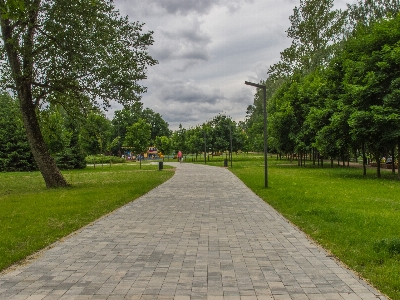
201 235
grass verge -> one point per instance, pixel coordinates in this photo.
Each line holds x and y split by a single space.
354 217
32 217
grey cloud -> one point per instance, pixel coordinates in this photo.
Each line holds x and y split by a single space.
191 34
187 92
198 6
243 96
185 6
189 113
185 44
206 49
195 54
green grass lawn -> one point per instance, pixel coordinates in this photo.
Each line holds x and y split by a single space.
356 218
32 217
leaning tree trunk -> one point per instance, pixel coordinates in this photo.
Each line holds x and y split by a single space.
47 166
22 73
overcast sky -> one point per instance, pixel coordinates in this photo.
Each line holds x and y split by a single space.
206 50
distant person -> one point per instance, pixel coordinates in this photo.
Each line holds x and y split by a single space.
180 156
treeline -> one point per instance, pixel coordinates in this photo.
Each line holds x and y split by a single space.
70 139
335 92
214 136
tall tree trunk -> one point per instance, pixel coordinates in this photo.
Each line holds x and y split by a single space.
364 159
398 157
47 166
314 156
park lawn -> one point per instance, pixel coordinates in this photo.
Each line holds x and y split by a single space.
33 217
354 217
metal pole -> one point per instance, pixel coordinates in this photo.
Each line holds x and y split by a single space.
265 137
230 133
205 148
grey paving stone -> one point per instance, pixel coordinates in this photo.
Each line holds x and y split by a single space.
201 235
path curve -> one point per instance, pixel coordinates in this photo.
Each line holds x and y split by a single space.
201 235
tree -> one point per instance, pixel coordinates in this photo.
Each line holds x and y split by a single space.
158 126
220 133
164 144
138 136
55 134
61 135
130 115
95 134
366 12
14 147
76 53
314 29
371 64
179 140
123 119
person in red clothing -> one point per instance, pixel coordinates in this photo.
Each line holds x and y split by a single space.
180 156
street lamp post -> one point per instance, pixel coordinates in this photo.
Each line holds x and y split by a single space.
230 135
264 88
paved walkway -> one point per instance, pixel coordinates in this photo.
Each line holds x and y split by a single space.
201 235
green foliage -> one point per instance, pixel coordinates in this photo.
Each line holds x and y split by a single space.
15 153
83 49
138 136
95 134
315 28
179 140
163 144
61 135
157 124
347 106
71 157
78 54
215 134
129 115
103 159
366 12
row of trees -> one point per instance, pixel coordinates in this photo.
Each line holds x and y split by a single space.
214 136
335 90
133 129
69 140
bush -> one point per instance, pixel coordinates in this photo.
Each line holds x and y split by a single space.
98 159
